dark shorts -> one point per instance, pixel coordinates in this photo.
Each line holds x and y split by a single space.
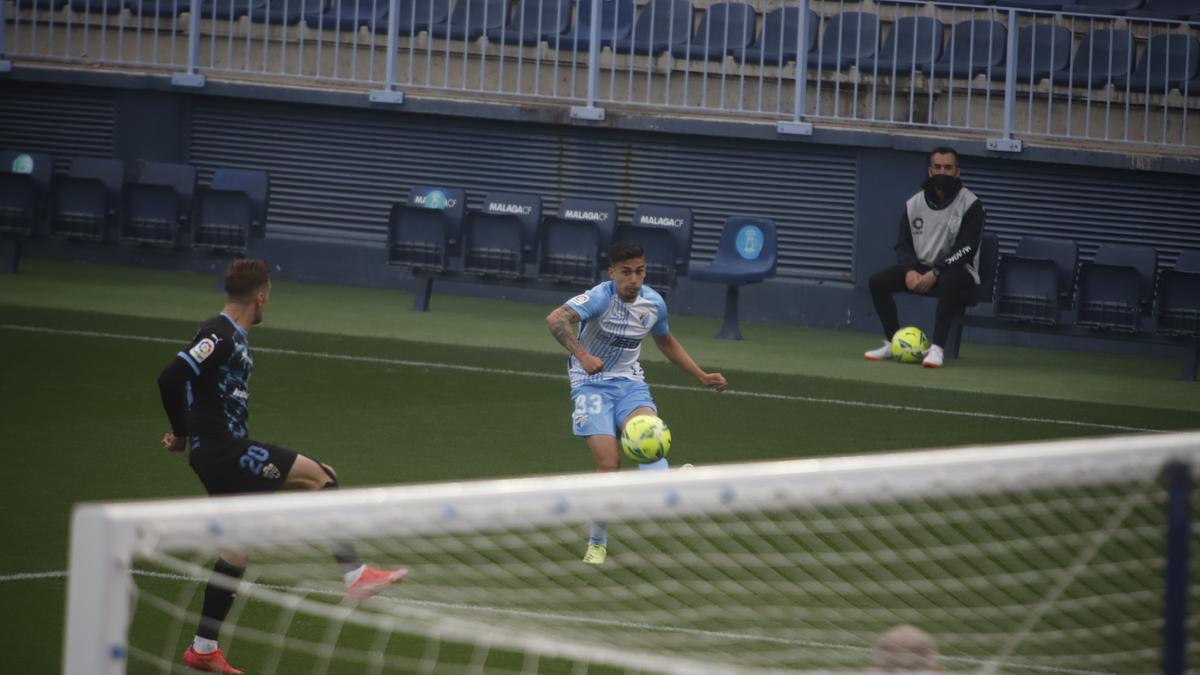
241 465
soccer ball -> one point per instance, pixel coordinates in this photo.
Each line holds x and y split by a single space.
645 439
909 345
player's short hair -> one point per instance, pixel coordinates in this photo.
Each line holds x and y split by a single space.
246 277
943 150
620 251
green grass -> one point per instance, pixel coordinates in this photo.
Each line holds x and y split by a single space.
363 386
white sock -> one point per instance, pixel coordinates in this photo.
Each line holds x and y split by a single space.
353 575
203 645
654 466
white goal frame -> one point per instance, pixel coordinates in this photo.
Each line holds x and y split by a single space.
106 538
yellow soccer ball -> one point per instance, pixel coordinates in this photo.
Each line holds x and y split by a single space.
645 439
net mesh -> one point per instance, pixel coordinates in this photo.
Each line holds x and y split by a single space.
1008 572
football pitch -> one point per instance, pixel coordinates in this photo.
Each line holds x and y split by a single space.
473 389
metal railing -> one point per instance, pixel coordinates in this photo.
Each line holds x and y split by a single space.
1007 74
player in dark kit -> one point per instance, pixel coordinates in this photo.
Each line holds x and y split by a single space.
206 394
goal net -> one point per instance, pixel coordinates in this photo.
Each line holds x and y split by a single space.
1064 557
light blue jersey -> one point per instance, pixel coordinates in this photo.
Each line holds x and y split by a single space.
612 331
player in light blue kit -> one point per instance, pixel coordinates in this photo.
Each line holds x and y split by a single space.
608 386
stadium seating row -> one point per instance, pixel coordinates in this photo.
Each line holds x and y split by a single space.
161 205
1119 294
510 239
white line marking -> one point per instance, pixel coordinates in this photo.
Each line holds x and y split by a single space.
700 632
562 376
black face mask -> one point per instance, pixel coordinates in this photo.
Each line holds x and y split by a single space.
946 184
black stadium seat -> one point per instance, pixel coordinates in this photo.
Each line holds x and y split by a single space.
88 199
777 42
471 19
1115 288
426 230
1168 61
973 47
616 23
1043 50
1102 55
158 203
24 192
1166 9
232 210
350 15
1178 297
915 42
1036 282
535 21
573 242
662 26
501 237
726 26
849 39
665 232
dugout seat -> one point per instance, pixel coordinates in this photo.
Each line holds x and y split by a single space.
1177 310
726 26
662 26
1043 50
776 43
501 237
849 39
1036 281
232 210
425 231
24 192
974 47
616 23
573 243
1103 54
535 21
87 200
1168 61
746 254
158 204
1116 287
914 42
665 232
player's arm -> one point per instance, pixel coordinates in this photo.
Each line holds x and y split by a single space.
172 388
675 353
561 323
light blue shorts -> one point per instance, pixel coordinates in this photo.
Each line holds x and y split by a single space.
601 406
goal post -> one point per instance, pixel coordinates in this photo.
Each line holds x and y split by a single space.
1042 557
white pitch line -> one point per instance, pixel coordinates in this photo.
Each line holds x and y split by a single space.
559 376
572 618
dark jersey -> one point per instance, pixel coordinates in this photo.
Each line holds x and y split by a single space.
216 394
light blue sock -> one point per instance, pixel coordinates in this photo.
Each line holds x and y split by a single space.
599 533
654 466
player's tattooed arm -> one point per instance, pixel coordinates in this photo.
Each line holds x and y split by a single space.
561 323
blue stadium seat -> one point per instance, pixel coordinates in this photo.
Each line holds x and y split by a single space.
1115 288
1039 5
535 21
287 12
232 210
1103 54
1166 9
915 42
665 232
1103 7
426 230
573 242
849 39
501 237
471 19
228 10
1168 61
42 5
1178 297
158 204
616 23
350 15
97 7
1043 50
416 16
726 26
662 26
159 8
1036 281
974 47
87 200
746 254
24 192
776 44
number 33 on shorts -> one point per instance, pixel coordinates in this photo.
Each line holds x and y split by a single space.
586 406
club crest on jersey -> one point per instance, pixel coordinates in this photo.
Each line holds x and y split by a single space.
581 420
204 349
580 299
271 472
